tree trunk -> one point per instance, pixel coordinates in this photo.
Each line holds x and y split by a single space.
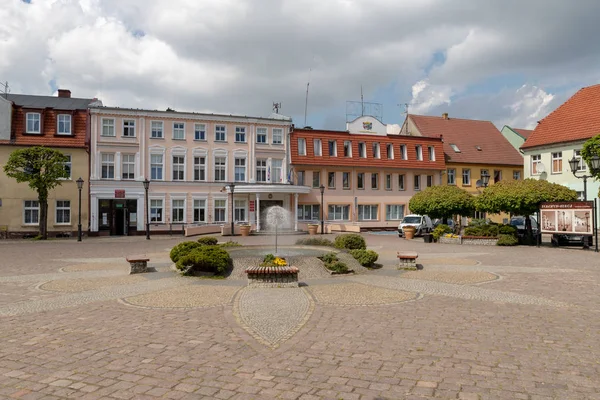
43 201
529 230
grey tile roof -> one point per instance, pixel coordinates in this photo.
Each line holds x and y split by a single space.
58 103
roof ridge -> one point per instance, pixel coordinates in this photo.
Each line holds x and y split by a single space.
450 118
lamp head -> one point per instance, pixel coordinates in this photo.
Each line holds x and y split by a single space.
146 183
322 189
79 183
574 164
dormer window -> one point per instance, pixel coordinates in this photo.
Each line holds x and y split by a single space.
431 151
347 148
33 123
376 150
390 151
419 151
64 124
455 148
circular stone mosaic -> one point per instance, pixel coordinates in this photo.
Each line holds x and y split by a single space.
96 267
355 294
84 284
189 296
455 276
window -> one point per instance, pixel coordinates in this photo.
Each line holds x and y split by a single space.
331 180
261 170
338 212
220 210
128 166
301 146
536 161
261 135
580 196
318 150
220 169
309 212
419 151
362 150
108 166
64 124
316 179
376 150
240 170
178 168
367 212
346 180
277 176
429 180
33 123
199 132
417 182
239 210
394 212
332 148
300 178
388 181
431 152
451 176
516 175
240 134
557 162
277 136
156 130
199 210
360 180
31 212
466 177
347 148
484 172
177 210
497 175
68 166
156 166
156 210
582 166
199 168
178 130
389 151
401 179
129 128
108 127
403 152
374 180
63 212
455 148
220 133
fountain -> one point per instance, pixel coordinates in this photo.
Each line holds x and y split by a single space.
277 217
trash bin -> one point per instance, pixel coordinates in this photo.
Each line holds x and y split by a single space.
428 238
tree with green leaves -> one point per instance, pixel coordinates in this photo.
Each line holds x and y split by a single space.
442 202
590 149
42 168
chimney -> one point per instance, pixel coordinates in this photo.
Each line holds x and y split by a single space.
64 93
445 115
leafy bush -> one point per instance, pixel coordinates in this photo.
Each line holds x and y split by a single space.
482 230
350 241
208 240
205 259
273 261
337 266
507 240
477 222
329 258
315 242
441 230
181 249
366 258
229 243
507 230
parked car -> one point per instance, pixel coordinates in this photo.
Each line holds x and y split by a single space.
422 223
571 240
438 221
519 223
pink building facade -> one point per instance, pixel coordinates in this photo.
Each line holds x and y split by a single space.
191 161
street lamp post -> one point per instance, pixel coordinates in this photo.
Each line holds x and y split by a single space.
322 189
79 186
232 188
485 180
146 186
594 165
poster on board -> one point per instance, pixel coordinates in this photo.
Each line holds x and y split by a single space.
567 217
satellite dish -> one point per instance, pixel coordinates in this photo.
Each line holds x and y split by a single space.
541 168
478 184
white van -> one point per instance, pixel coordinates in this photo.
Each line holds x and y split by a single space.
422 223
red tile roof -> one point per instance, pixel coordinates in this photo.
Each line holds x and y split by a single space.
525 133
479 142
576 119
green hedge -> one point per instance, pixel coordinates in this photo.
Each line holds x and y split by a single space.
205 259
208 240
507 230
482 230
333 263
366 258
441 230
507 240
317 241
350 241
182 249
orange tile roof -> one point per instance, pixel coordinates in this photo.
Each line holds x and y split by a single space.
576 119
525 133
479 142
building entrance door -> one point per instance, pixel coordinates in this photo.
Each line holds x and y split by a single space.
264 206
118 217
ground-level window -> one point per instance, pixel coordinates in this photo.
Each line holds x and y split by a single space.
220 210
199 210
367 212
31 212
401 182
429 180
338 212
309 212
360 180
178 210
394 212
63 212
240 210
417 182
156 210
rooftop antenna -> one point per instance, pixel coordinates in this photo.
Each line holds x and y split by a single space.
276 107
307 85
362 103
6 90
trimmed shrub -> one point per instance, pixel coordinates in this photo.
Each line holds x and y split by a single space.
205 259
315 242
441 230
350 241
208 240
507 230
229 243
337 266
329 258
181 249
366 258
507 240
482 230
477 222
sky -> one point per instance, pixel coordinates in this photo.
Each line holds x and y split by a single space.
508 61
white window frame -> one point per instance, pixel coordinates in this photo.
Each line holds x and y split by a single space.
517 175
277 136
311 210
173 200
66 122
331 182
200 166
277 177
196 202
224 167
390 151
362 149
347 148
237 209
346 183
466 172
394 212
31 208
162 165
178 130
368 209
316 183
431 151
557 156
214 213
376 150
200 132
451 176
262 132
107 163
338 209
108 125
218 131
401 182
68 167
240 134
417 183
331 153
403 152
582 166
301 146
318 147
388 182
162 208
236 166
536 160
181 167
376 176
260 169
62 208
129 164
157 130
129 128
360 176
39 123
419 151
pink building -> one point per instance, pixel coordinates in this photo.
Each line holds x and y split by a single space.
191 160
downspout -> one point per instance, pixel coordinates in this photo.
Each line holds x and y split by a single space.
88 131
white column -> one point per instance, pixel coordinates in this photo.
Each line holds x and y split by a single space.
141 213
257 212
296 212
138 170
118 166
94 213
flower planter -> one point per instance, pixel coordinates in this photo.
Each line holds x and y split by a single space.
312 229
409 232
278 277
245 230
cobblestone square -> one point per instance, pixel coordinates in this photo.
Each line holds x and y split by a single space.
474 323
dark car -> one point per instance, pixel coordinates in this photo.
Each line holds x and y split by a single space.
519 223
561 239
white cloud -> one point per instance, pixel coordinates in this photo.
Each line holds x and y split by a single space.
530 105
426 96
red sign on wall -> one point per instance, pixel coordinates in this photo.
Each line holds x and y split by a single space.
119 194
251 205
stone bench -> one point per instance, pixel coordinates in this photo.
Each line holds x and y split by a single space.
407 260
272 276
138 263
